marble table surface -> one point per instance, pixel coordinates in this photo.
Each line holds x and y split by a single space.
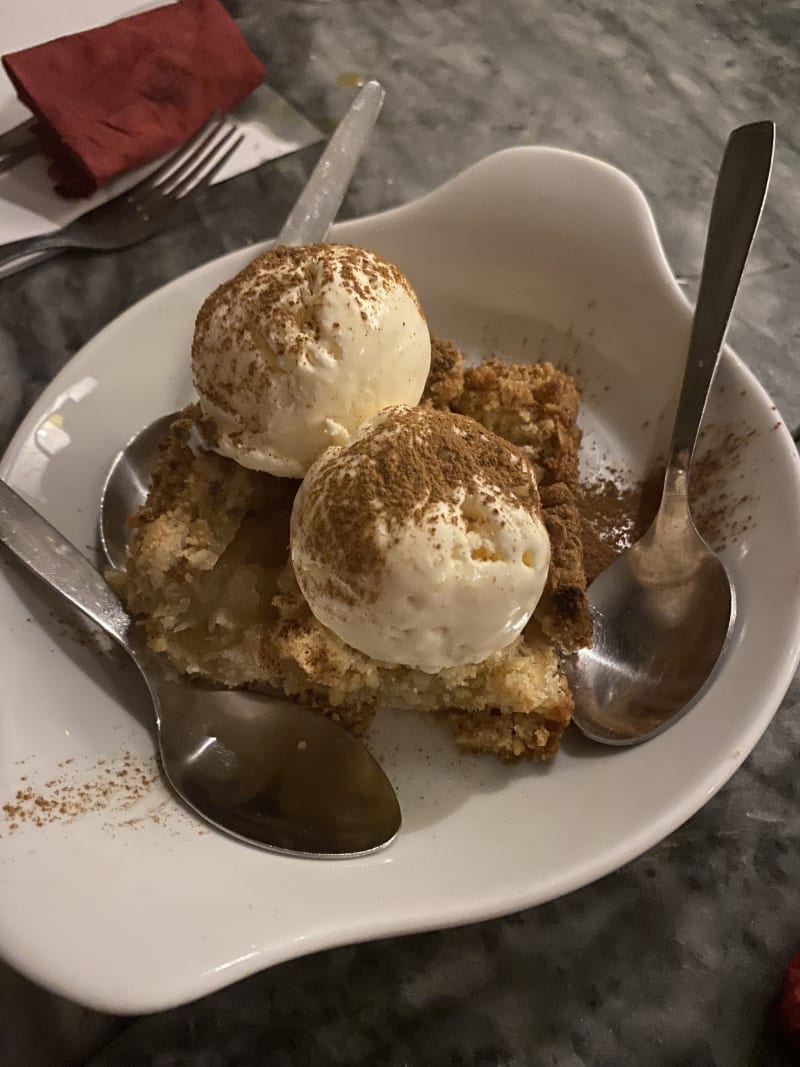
676 958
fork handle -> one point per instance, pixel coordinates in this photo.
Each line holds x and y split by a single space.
17 255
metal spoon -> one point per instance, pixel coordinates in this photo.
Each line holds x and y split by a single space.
309 221
269 772
664 611
125 489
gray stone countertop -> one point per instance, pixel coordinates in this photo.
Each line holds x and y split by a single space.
675 959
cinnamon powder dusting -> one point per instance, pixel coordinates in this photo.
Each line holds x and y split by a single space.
395 474
268 302
112 785
614 515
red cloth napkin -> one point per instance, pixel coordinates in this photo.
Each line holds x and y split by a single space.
118 96
788 1009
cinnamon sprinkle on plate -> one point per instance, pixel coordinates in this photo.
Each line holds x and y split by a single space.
112 786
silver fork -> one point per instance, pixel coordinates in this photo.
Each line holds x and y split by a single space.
17 144
145 208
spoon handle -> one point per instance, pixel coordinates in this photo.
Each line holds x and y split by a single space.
738 200
312 215
58 563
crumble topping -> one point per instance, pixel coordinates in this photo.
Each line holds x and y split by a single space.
535 407
446 377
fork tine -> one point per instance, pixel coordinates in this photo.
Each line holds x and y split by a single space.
175 159
149 198
201 174
206 179
192 150
154 203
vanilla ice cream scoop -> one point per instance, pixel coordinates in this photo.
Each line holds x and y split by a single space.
295 352
421 541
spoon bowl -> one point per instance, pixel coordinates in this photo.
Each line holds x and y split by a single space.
664 611
125 489
661 620
268 771
271 773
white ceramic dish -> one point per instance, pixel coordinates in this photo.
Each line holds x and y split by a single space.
532 252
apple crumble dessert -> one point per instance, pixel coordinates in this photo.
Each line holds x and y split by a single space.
356 518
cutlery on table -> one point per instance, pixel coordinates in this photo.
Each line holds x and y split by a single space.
145 208
17 144
663 611
267 771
